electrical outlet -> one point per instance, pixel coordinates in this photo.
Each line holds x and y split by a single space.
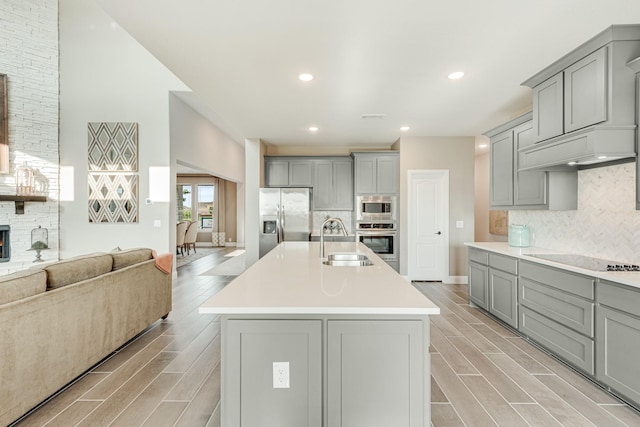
459 224
280 374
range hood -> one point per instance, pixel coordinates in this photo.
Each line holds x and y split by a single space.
588 146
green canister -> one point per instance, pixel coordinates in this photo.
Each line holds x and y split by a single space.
519 235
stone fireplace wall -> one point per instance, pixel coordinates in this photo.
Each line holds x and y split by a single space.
29 57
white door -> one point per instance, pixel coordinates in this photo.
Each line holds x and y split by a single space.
428 238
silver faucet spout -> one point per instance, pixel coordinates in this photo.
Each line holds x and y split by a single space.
339 222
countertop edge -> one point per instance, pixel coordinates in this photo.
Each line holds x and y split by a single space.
321 311
626 278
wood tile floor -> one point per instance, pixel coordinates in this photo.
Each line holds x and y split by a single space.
482 373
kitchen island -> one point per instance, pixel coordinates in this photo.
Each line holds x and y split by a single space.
309 344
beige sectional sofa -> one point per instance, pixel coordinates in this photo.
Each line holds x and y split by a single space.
58 321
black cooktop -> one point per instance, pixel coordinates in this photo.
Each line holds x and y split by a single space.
588 263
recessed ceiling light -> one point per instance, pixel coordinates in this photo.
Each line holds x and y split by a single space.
456 75
405 128
313 128
306 77
482 146
602 157
572 163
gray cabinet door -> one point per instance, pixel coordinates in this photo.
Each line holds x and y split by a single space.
530 187
387 175
618 351
548 109
300 173
251 347
277 173
479 285
501 176
395 350
343 184
365 175
585 91
566 343
503 296
322 185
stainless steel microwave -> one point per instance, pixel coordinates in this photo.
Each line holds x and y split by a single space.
376 208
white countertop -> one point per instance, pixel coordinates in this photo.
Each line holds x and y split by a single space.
630 278
291 279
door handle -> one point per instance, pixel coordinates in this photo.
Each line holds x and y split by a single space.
438 233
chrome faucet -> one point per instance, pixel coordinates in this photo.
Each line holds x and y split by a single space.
339 222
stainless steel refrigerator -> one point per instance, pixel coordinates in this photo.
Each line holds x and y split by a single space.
285 215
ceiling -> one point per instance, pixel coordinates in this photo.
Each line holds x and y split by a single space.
242 59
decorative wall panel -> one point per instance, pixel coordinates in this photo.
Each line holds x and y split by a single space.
113 198
113 147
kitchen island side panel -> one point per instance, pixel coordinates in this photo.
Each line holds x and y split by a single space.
375 370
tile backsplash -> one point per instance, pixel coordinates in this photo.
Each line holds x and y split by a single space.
605 225
318 218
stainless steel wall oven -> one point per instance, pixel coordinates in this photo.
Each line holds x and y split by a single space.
381 238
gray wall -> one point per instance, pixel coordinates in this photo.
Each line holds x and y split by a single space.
457 155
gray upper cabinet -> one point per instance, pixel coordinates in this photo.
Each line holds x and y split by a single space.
333 184
300 173
276 173
529 187
284 172
585 91
376 173
572 99
501 171
634 65
584 104
548 109
510 188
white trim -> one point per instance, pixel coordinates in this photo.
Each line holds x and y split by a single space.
457 280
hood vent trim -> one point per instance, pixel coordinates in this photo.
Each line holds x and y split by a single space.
589 146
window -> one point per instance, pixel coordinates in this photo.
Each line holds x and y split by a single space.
184 202
206 197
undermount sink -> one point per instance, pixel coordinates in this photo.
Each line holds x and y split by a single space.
348 259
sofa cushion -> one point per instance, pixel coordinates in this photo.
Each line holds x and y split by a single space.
22 284
73 270
127 257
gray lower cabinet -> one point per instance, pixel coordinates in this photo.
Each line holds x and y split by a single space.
374 373
618 339
479 285
345 370
503 288
503 296
556 310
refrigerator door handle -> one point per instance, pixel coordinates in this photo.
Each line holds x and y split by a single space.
282 224
278 225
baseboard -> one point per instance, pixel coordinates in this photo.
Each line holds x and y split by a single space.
230 244
457 280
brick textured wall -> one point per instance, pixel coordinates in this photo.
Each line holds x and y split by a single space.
29 58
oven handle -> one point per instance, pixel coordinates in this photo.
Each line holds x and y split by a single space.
376 233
